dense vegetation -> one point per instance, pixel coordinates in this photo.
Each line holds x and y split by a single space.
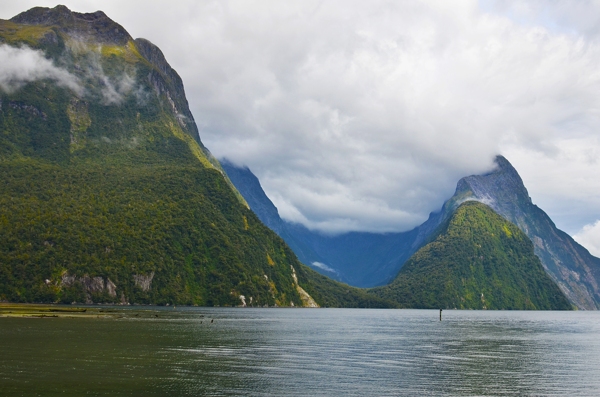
114 199
334 294
477 260
180 223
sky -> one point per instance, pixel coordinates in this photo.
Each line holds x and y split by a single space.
363 115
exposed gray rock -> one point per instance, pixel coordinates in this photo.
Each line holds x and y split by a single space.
167 82
28 108
144 282
67 280
111 288
91 285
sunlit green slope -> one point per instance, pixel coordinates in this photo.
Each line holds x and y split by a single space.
477 260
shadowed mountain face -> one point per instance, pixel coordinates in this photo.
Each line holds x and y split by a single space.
476 260
369 259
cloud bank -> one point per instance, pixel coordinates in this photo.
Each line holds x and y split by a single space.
363 115
589 237
23 65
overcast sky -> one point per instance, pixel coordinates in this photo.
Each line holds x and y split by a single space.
364 115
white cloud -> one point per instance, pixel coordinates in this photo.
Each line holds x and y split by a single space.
324 267
589 237
113 89
22 65
363 115
113 93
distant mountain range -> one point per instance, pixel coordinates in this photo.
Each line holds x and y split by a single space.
370 259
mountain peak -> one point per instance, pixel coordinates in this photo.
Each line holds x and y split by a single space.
95 26
502 185
504 167
503 164
569 264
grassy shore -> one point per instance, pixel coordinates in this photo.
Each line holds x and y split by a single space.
26 310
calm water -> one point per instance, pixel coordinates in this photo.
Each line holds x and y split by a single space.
304 352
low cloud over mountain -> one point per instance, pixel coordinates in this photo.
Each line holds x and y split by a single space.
23 65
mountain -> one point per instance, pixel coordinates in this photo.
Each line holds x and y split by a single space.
476 260
569 264
108 194
370 259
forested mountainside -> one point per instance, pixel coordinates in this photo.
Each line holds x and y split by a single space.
476 260
108 194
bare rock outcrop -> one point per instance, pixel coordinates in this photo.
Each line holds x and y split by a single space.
144 282
91 285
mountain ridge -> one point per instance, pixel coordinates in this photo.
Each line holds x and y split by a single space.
96 26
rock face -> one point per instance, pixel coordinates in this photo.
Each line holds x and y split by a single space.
476 260
167 82
144 282
91 286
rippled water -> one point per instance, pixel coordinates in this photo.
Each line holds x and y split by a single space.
304 352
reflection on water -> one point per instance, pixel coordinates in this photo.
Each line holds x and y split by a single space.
304 352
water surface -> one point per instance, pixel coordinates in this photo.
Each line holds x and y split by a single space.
303 352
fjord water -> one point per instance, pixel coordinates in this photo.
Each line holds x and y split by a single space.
303 352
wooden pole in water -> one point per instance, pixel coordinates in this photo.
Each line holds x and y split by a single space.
440 314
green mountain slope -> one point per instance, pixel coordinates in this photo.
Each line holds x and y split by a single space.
570 265
107 193
477 260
